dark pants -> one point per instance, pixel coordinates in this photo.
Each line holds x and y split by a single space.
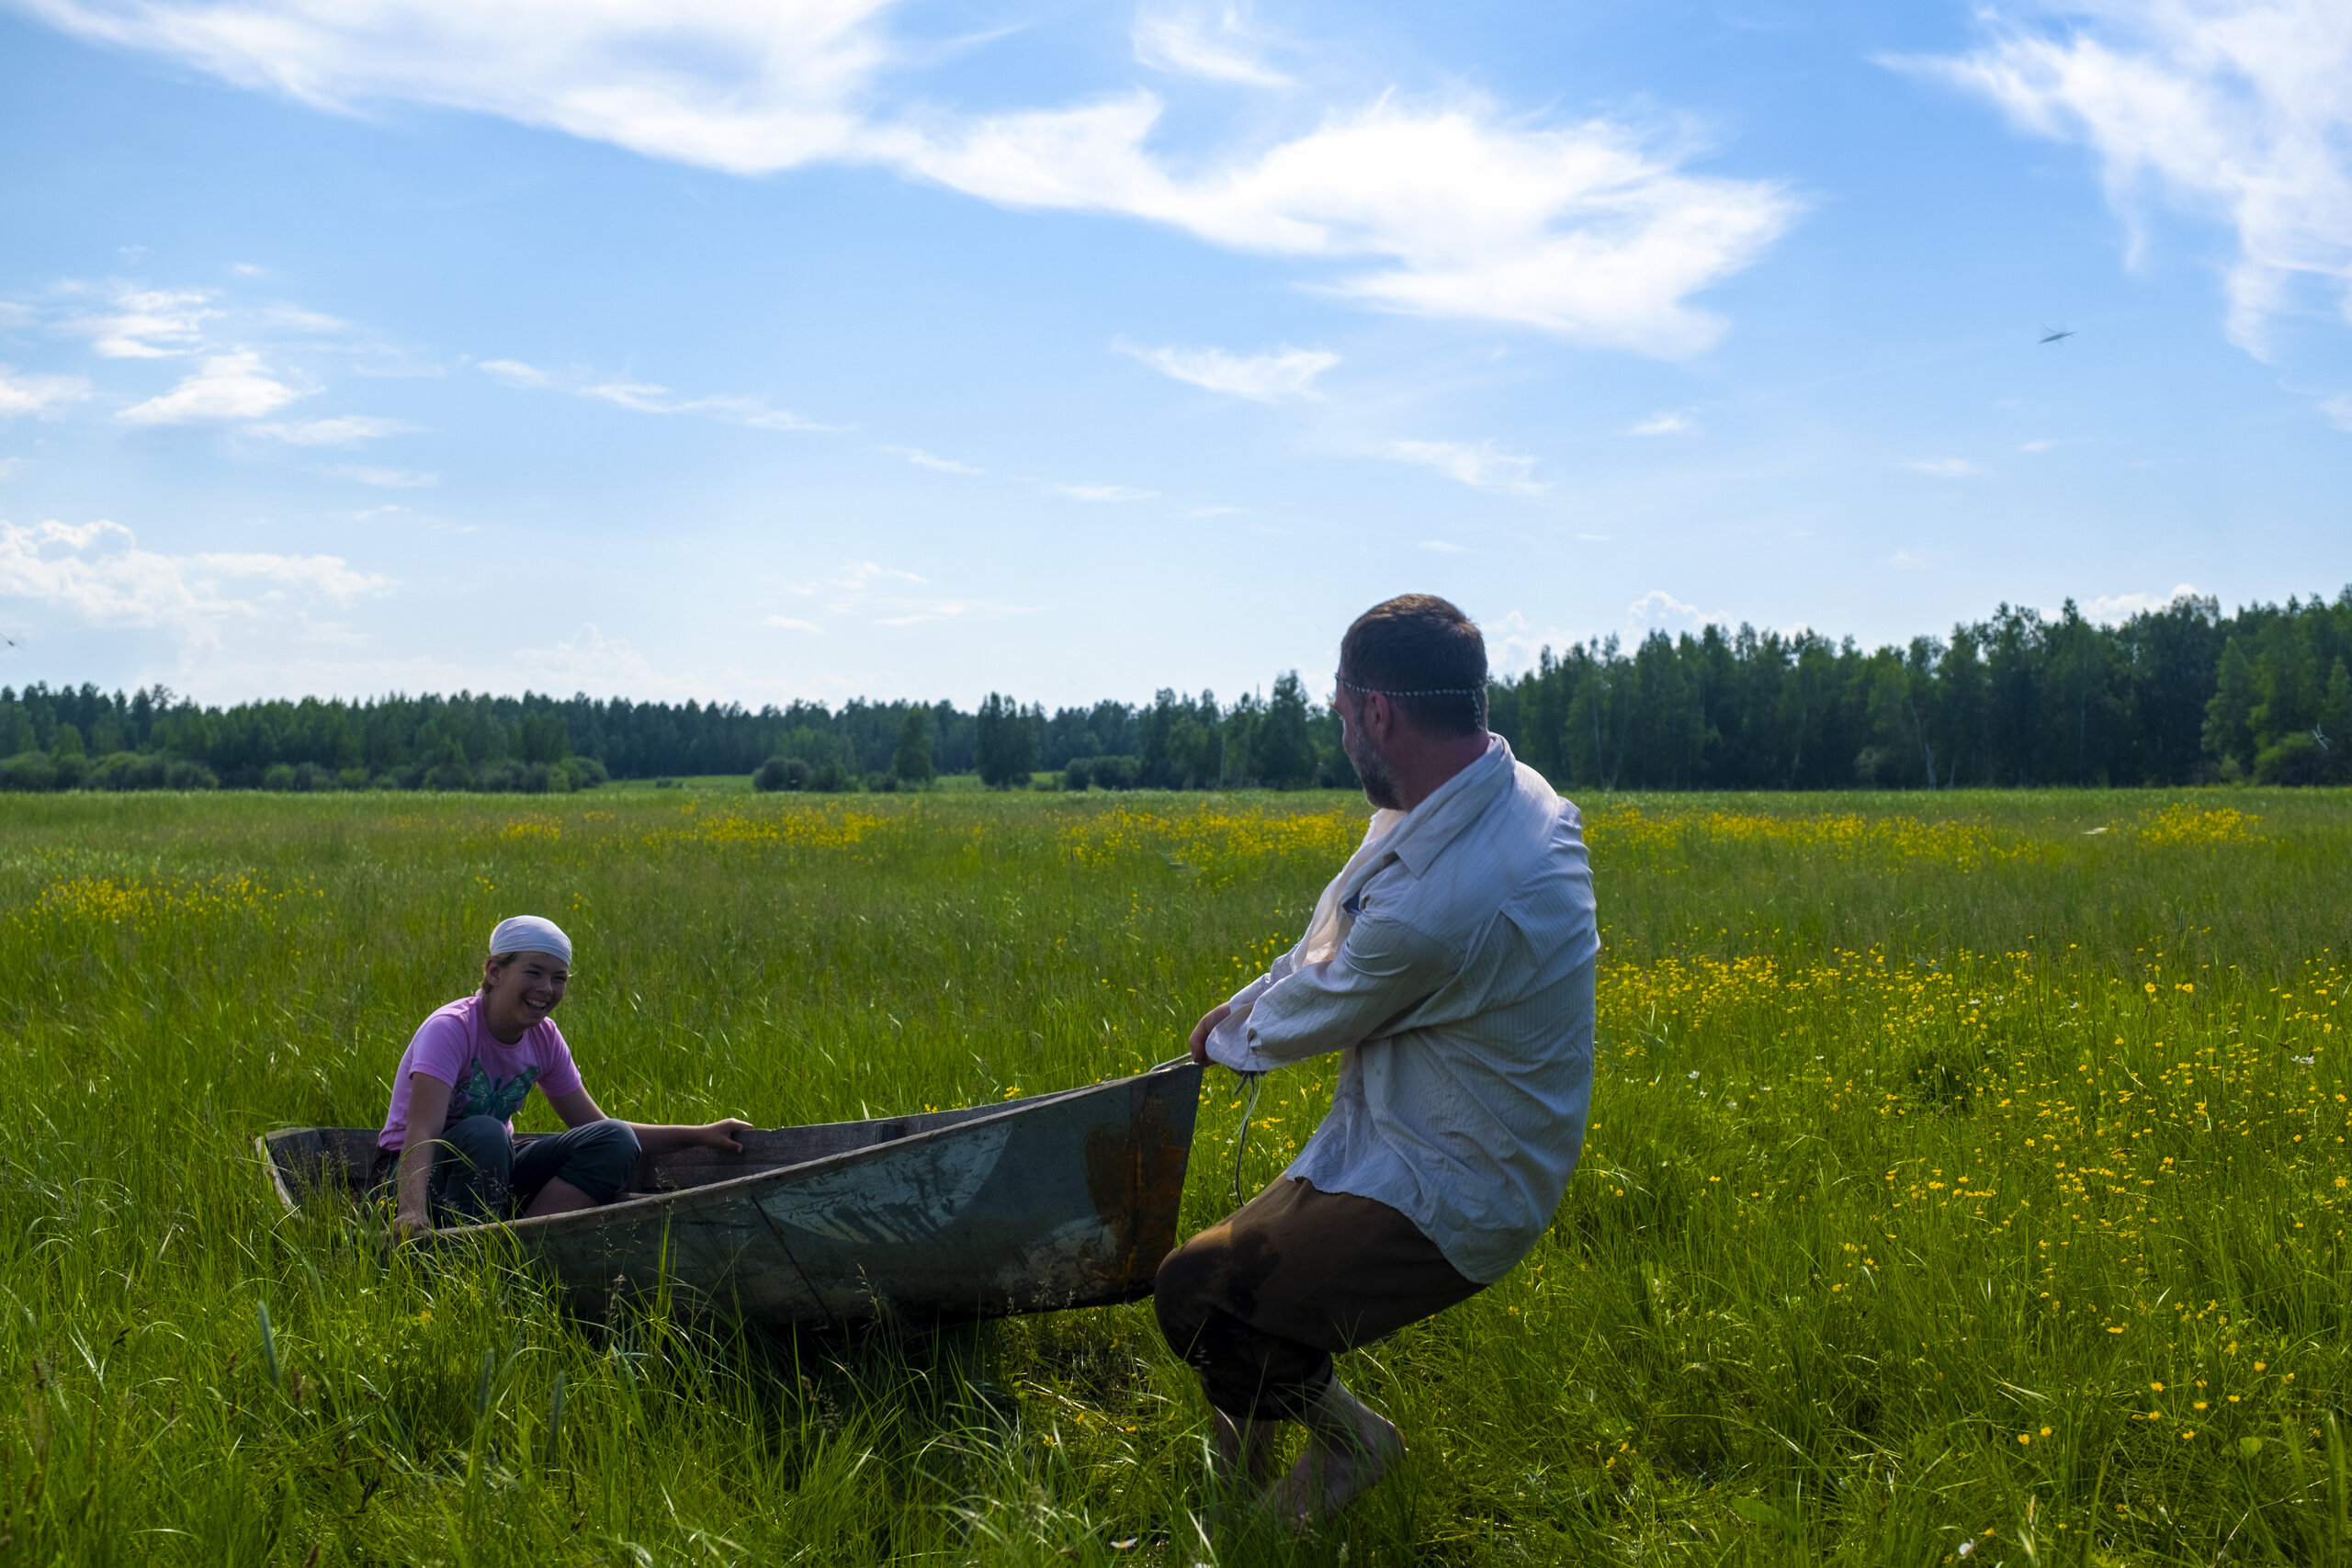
479 1175
1260 1302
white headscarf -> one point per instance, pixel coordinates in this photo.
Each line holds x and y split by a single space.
530 933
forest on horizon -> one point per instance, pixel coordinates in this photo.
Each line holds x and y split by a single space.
2176 695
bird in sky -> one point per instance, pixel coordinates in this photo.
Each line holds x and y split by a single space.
2056 335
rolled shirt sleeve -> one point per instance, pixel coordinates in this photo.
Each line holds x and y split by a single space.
1384 969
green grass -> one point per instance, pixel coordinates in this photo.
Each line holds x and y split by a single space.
1924 1126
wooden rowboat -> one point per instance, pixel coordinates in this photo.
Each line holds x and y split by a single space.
1054 1201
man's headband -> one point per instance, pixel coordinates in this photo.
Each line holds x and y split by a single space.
1433 691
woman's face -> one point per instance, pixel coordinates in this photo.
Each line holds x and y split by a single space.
521 991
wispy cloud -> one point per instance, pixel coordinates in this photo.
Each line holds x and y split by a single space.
1945 467
345 430
2044 444
1667 422
1480 467
1220 44
229 387
386 479
2232 109
143 323
790 624
1452 207
98 573
1104 494
869 592
1442 546
23 394
2339 410
922 460
1906 560
1283 375
587 660
646 397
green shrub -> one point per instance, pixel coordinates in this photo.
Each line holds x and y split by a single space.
778 773
29 771
2302 758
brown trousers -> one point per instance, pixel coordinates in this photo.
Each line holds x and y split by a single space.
1259 1303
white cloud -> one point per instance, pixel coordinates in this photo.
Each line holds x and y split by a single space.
2339 410
922 460
345 430
1444 547
2040 446
1102 492
788 623
1945 467
1583 231
1590 230
146 323
1480 467
2113 608
1667 422
229 387
646 397
9 465
748 87
97 572
23 394
1262 378
1906 560
1218 43
1514 645
386 479
2234 109
1659 610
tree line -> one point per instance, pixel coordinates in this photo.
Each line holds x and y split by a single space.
2177 694
69 737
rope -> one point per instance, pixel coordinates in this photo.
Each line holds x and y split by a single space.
1241 1133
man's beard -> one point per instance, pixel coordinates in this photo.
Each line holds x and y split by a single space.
1378 778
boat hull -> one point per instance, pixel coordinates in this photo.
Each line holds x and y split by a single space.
1058 1200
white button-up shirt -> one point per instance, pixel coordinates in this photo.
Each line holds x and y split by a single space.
1451 962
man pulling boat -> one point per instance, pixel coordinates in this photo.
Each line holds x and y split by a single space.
1451 963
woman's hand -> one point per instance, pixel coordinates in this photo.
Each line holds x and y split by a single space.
1209 1021
722 1135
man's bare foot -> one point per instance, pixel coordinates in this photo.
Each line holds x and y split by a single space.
1349 1447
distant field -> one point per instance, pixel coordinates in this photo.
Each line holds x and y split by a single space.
1967 1168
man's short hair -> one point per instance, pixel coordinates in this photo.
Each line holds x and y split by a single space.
1426 656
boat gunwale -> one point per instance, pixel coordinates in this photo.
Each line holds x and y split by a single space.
605 1215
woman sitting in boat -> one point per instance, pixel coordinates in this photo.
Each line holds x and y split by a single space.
467 1071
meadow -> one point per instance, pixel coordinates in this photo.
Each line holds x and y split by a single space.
1968 1182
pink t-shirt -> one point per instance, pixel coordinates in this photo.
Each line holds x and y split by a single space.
486 1076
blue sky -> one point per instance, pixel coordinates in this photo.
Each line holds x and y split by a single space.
822 348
